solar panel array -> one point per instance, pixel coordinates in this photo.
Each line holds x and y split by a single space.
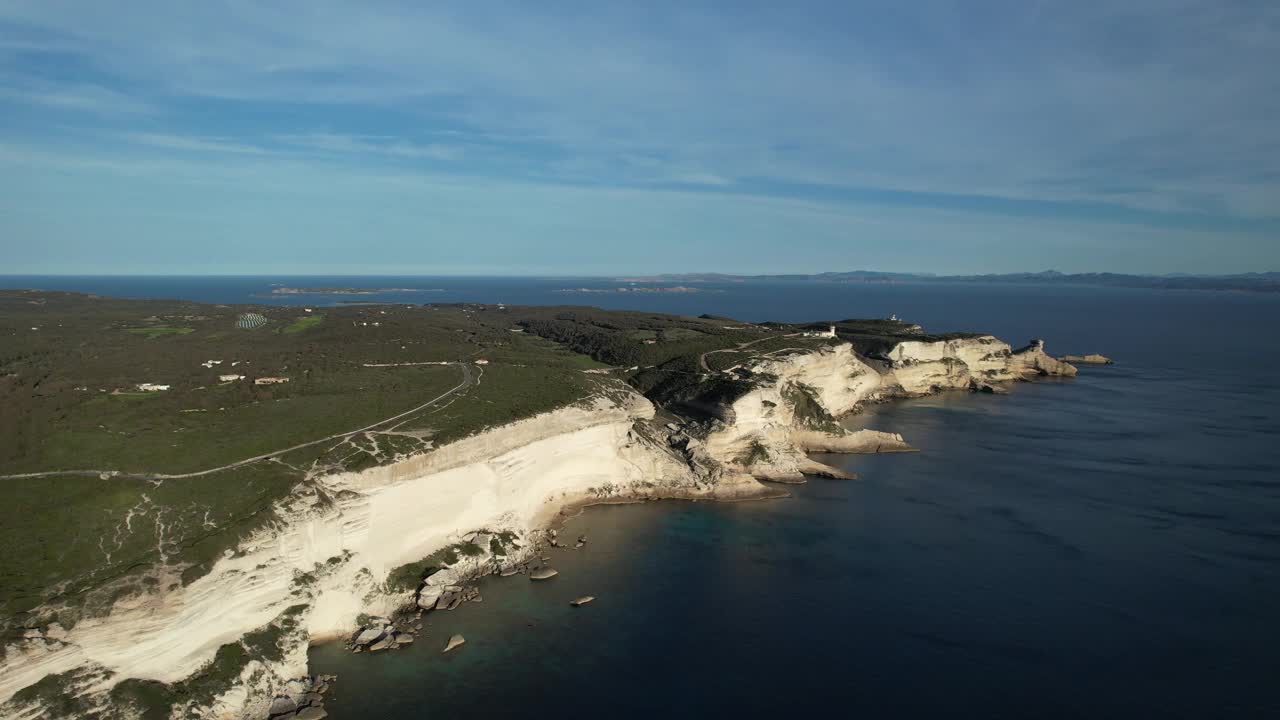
249 321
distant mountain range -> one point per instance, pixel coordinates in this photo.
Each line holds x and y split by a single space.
1249 282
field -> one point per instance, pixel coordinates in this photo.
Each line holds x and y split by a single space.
70 371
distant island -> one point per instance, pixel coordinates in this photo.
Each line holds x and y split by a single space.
599 291
1248 282
347 290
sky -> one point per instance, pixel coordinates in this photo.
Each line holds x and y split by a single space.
600 137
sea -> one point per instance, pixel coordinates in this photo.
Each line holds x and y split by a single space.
1101 547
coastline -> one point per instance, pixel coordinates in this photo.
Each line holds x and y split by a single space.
346 533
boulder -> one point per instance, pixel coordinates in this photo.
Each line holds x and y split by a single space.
582 600
454 642
382 644
368 635
428 596
403 638
311 713
545 573
281 706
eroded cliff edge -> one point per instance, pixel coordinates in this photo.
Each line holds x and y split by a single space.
354 543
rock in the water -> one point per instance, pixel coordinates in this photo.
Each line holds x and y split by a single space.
545 573
582 600
368 635
382 644
1090 359
311 713
454 642
282 705
403 638
509 572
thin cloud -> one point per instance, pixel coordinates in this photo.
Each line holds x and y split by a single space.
194 144
377 145
79 98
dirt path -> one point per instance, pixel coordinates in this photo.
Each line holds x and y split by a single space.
702 359
467 381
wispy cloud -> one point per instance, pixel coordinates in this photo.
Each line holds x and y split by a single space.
1150 110
194 144
388 145
80 98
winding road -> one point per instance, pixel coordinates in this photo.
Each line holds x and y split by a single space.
702 359
467 381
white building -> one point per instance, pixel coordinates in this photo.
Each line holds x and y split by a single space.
830 332
230 378
151 387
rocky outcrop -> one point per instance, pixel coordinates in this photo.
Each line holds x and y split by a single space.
795 411
1032 361
1090 359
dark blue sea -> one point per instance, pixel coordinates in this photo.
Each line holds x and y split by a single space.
1103 547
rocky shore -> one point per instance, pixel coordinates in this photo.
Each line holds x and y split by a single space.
364 556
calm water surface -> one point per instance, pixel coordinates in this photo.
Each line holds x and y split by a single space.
1107 546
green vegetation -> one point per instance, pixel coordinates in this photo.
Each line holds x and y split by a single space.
67 535
156 331
806 408
303 323
756 453
623 338
409 576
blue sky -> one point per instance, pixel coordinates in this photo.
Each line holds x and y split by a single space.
603 138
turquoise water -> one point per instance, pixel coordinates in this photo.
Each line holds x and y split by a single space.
1107 546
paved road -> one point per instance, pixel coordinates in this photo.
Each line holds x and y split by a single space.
467 381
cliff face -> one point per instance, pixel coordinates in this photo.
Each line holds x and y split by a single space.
342 535
777 423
